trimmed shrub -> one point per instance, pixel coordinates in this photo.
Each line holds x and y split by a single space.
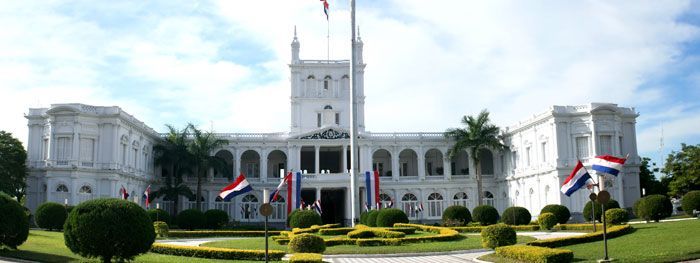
375 232
159 215
547 221
109 228
485 215
477 229
215 218
335 231
191 219
51 216
161 228
653 207
443 234
290 215
598 209
220 233
498 235
690 202
516 215
535 254
577 227
372 218
616 216
390 216
561 212
363 217
307 243
216 253
14 223
613 231
306 258
456 215
305 219
373 242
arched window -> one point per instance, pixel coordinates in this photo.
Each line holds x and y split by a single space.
84 193
460 198
435 205
62 188
85 190
311 77
279 211
488 198
326 82
408 204
249 207
385 201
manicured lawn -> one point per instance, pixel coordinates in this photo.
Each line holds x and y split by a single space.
45 246
471 242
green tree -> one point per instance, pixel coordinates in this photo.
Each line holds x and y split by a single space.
13 167
648 181
683 169
172 189
201 148
172 152
479 134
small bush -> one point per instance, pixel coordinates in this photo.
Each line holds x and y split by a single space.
456 215
51 216
215 218
306 258
498 235
372 218
191 219
516 215
561 212
547 221
653 207
616 216
305 219
390 216
598 209
363 217
14 223
159 215
161 228
307 243
690 202
290 215
109 228
485 215
535 254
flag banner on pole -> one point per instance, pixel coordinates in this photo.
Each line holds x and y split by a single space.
419 208
372 188
608 164
317 206
123 193
275 193
578 178
239 186
147 196
391 204
325 8
294 201
366 207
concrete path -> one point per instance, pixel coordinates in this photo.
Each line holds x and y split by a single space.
664 220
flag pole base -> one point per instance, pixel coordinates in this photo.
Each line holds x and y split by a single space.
606 260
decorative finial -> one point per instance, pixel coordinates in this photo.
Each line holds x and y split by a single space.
295 31
358 32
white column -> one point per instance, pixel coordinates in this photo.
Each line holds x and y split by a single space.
75 155
236 162
317 157
447 167
318 193
395 165
345 158
421 166
263 165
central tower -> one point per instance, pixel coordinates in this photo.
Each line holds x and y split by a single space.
321 90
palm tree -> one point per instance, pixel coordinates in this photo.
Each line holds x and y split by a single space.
201 146
479 134
172 190
172 152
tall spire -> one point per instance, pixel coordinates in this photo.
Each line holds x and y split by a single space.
295 47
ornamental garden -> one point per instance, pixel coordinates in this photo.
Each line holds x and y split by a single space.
117 230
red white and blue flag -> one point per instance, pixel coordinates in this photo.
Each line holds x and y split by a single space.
325 8
608 164
147 196
391 204
578 178
317 207
239 186
276 192
294 201
123 193
372 185
419 207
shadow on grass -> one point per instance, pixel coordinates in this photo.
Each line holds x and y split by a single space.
36 256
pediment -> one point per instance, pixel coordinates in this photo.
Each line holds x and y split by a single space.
332 133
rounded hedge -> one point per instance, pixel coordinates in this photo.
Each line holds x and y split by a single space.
516 215
561 212
158 215
690 202
215 218
653 207
191 219
305 219
161 228
14 223
363 217
456 215
51 216
498 235
390 216
371 219
307 243
547 221
485 215
598 209
289 217
616 216
109 228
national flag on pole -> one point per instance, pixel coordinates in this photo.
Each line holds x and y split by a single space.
391 204
578 178
379 205
239 186
608 164
276 192
419 207
147 196
317 206
294 201
123 193
302 205
366 207
372 186
325 8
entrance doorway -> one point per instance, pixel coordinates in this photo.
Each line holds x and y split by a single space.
333 204
309 197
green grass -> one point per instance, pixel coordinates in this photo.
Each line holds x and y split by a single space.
45 246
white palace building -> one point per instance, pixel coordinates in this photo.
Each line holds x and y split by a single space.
78 152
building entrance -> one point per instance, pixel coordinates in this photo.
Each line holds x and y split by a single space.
333 205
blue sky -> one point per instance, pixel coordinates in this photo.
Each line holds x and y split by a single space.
224 63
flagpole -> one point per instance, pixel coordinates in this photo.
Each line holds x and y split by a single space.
328 41
353 128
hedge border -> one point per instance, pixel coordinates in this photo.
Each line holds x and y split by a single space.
535 254
444 233
216 253
373 232
378 242
477 229
306 258
613 231
220 233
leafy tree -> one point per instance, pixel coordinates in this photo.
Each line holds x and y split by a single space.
201 147
648 181
478 135
683 169
13 167
172 189
172 152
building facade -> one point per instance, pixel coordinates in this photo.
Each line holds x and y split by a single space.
79 152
